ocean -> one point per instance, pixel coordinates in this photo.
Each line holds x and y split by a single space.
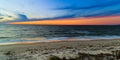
40 33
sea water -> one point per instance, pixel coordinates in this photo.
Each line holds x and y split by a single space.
38 33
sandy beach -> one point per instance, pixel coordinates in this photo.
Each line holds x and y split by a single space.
59 29
63 49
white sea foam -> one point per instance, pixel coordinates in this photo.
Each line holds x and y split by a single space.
35 40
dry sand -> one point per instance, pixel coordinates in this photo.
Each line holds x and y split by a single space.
42 50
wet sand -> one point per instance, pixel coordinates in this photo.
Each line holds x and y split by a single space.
67 49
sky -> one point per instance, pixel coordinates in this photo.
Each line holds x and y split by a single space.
61 10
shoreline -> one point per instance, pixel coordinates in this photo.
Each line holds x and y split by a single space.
53 41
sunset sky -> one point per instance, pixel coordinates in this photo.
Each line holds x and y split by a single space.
60 12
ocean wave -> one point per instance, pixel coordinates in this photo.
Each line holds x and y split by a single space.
38 39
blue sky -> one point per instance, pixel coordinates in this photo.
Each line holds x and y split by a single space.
50 9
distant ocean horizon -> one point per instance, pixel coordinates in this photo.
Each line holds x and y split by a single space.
44 33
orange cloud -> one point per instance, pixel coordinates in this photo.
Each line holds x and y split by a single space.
76 21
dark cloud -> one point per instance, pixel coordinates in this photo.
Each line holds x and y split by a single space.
9 16
106 8
74 7
1 18
65 16
58 17
104 13
22 17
